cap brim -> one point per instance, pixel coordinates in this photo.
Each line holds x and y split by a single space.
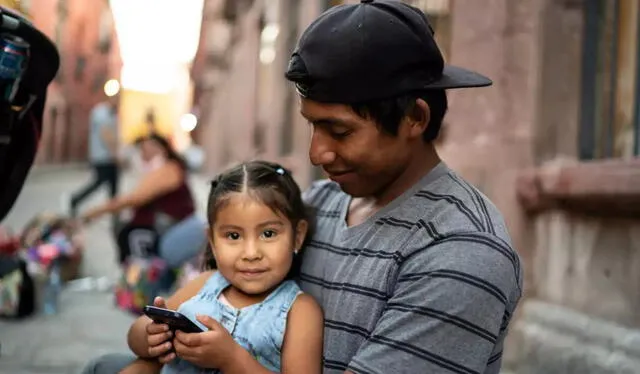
456 77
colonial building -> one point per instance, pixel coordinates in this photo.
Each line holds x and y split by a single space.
554 143
84 34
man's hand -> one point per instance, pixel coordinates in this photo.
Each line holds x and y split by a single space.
141 366
211 349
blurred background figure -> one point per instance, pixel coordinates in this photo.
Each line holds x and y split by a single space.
161 203
148 126
103 150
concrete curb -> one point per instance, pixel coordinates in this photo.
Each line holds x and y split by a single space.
558 340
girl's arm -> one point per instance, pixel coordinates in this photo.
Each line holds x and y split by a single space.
303 338
302 346
137 336
153 184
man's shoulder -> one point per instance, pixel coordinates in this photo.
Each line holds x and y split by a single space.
450 204
100 108
453 225
101 113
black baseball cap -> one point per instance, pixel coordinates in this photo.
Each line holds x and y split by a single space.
373 50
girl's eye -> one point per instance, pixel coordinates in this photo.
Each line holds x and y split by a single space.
268 234
233 235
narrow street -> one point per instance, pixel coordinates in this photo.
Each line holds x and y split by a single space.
87 324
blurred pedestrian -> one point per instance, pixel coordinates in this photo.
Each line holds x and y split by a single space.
103 151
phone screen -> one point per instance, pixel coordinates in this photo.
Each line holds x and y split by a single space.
175 320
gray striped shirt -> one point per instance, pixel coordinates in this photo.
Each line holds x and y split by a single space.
426 285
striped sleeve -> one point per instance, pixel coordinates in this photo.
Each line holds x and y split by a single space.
450 302
318 192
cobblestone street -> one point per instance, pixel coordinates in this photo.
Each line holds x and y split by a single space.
87 324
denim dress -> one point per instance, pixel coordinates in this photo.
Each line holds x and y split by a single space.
258 328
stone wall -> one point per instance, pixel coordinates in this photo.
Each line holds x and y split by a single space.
245 100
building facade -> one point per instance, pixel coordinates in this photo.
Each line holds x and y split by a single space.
85 36
554 143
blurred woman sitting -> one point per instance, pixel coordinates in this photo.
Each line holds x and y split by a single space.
164 222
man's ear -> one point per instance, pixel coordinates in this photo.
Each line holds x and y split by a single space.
301 233
418 119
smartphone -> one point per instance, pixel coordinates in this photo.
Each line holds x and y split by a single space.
175 320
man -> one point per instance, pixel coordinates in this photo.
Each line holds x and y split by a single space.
412 265
103 151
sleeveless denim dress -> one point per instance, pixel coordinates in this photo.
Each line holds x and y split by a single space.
258 328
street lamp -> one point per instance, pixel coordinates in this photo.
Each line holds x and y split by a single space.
112 87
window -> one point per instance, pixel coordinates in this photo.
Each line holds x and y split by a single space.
99 80
105 28
286 145
78 72
62 11
609 117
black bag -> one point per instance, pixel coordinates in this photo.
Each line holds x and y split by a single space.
17 288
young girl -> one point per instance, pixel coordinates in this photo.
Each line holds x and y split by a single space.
255 318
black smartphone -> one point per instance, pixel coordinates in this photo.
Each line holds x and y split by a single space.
175 320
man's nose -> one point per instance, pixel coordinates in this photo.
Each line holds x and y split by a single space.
320 150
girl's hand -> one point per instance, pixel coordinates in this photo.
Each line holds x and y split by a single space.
211 349
159 337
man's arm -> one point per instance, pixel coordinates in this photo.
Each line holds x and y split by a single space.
451 302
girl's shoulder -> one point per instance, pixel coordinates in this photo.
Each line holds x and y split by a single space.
189 290
305 307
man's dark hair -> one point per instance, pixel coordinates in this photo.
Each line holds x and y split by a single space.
388 113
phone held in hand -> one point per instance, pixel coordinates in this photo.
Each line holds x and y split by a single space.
175 320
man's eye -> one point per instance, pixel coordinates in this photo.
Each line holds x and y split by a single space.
268 234
340 134
232 235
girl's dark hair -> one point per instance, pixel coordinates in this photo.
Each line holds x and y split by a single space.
268 183
172 154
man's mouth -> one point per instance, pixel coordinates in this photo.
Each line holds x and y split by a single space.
337 173
342 176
